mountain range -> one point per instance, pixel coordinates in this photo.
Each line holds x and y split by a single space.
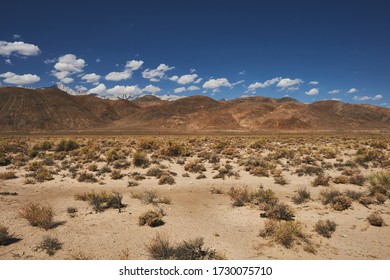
51 109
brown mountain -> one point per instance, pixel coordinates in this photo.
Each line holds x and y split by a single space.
52 109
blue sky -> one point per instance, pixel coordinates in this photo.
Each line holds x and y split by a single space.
308 50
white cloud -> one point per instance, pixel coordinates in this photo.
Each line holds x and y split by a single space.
335 91
377 97
313 91
174 78
91 78
124 90
287 82
242 72
217 83
186 79
155 75
192 70
60 75
336 99
21 48
313 83
118 76
98 60
352 90
179 90
267 83
134 64
100 90
198 81
192 88
170 97
362 98
16 36
49 61
12 78
8 61
67 80
151 89
70 63
81 89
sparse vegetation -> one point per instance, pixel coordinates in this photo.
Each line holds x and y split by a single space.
325 227
50 244
375 219
302 196
4 235
140 159
38 215
151 218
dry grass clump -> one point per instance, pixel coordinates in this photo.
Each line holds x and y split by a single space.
4 235
285 233
49 244
302 196
216 190
380 183
338 200
116 174
155 172
242 196
151 218
321 180
281 180
166 180
279 211
160 248
325 228
8 175
342 179
194 166
357 179
101 201
67 145
174 149
375 219
87 177
38 215
43 174
309 170
140 159
151 197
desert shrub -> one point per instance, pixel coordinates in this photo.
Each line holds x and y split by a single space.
342 179
43 174
280 211
194 166
4 160
92 167
87 177
151 218
38 215
67 145
4 235
132 184
302 195
50 244
8 175
375 219
147 144
357 179
325 228
101 201
140 159
380 183
173 149
9 193
354 195
112 155
259 171
281 180
285 233
240 196
338 200
151 197
381 198
166 180
115 201
104 169
321 180
309 170
116 174
160 248
71 210
366 200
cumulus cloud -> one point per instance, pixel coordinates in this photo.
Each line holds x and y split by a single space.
124 90
21 48
170 97
81 89
179 90
8 61
12 78
242 72
155 75
267 83
198 81
335 91
352 90
134 64
186 79
362 98
67 80
287 82
151 89
118 76
192 88
313 83
99 89
313 91
336 99
49 61
192 70
16 36
217 83
174 78
70 63
377 97
91 78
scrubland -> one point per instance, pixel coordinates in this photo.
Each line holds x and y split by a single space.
195 197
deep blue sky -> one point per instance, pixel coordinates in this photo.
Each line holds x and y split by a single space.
342 45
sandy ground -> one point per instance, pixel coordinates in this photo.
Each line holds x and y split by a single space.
194 212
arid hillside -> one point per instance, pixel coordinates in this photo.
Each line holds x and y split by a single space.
52 109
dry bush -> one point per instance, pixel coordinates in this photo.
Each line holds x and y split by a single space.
166 180
87 177
116 174
8 175
380 183
140 159
321 180
281 180
302 196
375 219
151 197
259 171
43 174
279 211
67 145
342 179
50 244
160 248
215 190
151 218
194 166
93 167
132 184
325 228
240 196
357 179
4 235
338 200
101 201
155 172
309 170
38 215
147 144
173 149
354 195
285 233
